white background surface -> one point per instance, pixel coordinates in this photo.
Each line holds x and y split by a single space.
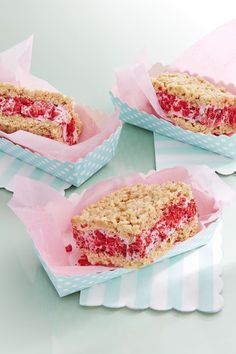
78 44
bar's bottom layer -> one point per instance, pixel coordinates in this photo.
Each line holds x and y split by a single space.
65 133
197 127
100 258
206 119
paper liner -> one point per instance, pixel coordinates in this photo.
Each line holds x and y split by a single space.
47 214
213 57
16 60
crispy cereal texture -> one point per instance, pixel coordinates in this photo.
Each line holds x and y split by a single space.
131 209
161 249
194 89
7 90
197 127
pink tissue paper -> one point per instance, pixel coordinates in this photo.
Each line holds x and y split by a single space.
212 57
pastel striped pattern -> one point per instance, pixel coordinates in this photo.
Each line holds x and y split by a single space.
187 282
170 153
11 166
66 285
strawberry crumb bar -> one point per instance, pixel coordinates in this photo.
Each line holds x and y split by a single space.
135 225
195 104
43 113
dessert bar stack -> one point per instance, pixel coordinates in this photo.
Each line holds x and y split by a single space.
195 104
135 225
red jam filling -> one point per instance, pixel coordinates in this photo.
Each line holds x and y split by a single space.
68 248
41 110
98 241
26 107
71 133
206 115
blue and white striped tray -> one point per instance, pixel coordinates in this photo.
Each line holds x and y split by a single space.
72 173
223 145
11 166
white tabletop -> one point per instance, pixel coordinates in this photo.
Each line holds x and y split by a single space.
77 46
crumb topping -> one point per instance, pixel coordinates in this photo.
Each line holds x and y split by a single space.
131 209
194 89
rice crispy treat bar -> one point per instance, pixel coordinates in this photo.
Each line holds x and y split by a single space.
44 113
135 225
195 104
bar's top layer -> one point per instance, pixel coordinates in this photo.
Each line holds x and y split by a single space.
9 90
194 89
131 209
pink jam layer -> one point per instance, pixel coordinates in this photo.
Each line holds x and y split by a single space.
41 110
175 216
206 115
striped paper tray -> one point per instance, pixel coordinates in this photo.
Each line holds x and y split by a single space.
73 173
223 145
10 167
